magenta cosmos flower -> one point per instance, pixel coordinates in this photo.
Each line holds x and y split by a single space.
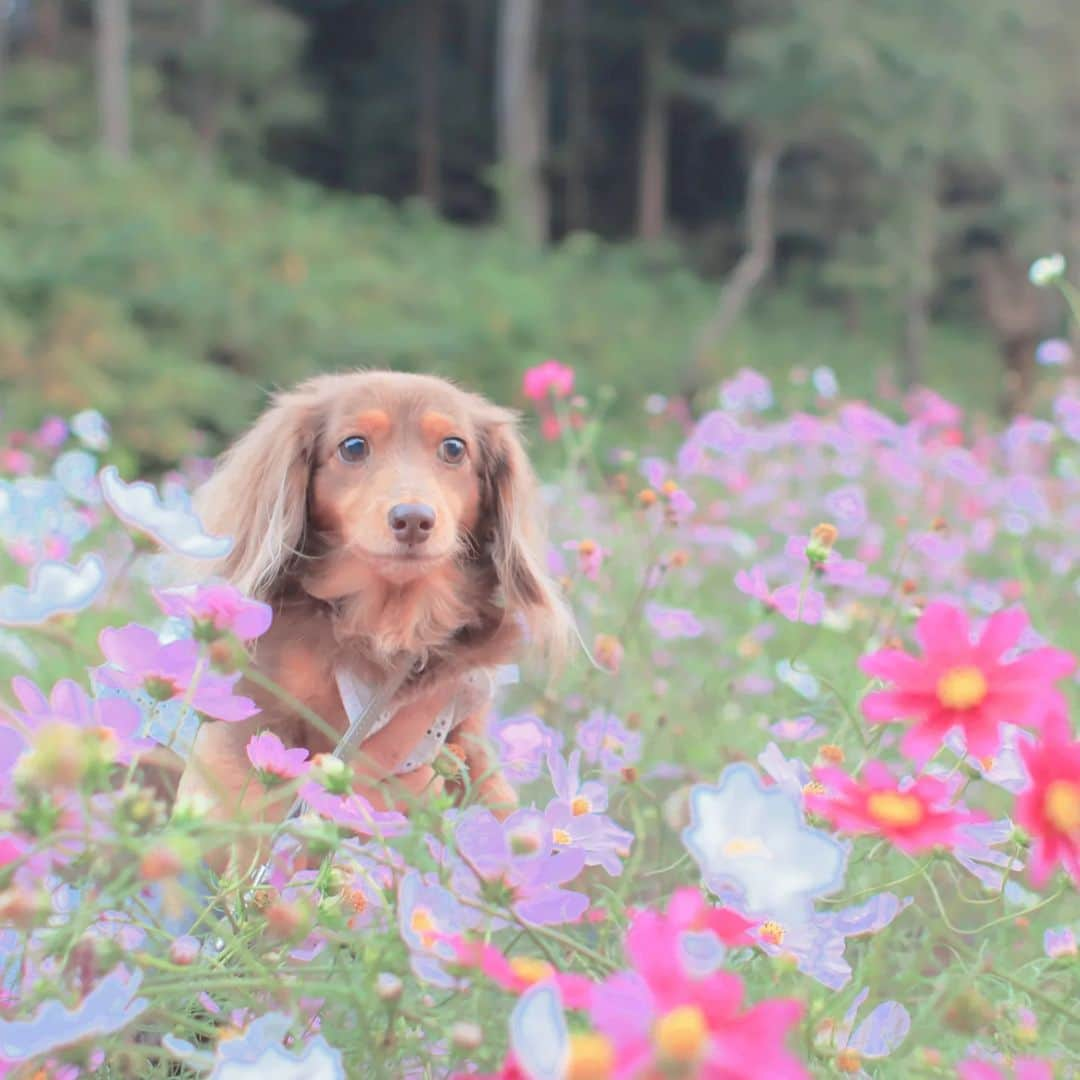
274 762
915 818
964 684
172 672
548 379
662 1018
215 610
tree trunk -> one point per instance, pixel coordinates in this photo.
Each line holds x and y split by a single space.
521 120
578 96
750 270
113 33
48 26
208 92
428 134
919 291
653 144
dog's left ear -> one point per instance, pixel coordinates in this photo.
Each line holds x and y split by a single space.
511 510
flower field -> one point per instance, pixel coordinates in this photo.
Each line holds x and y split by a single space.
806 803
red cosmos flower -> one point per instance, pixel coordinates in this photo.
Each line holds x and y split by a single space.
916 818
962 684
1050 808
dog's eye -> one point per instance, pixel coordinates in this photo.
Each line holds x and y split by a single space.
353 449
452 451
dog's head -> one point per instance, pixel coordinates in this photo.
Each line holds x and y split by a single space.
381 478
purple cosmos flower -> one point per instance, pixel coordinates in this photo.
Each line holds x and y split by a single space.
746 390
69 703
790 774
973 851
583 797
878 1035
847 507
605 740
172 672
1060 941
670 623
108 1008
794 602
216 610
604 843
797 729
521 866
522 742
427 915
354 812
818 945
1054 352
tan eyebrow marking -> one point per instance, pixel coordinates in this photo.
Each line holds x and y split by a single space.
437 425
372 422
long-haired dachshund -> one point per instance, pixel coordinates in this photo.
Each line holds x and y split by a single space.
390 520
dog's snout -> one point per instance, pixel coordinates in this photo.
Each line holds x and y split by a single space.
412 522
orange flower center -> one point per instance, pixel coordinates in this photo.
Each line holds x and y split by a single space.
848 1061
681 1034
831 753
424 925
814 787
772 932
561 836
580 806
529 969
1062 806
592 1057
962 688
895 808
357 901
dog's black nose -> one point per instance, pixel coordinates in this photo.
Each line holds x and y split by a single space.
412 522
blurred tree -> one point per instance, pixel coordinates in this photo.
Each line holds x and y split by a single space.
428 128
522 115
113 35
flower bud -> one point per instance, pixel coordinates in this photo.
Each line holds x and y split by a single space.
333 774
184 950
822 539
848 1061
450 764
289 919
647 497
168 858
1049 270
466 1036
608 651
388 986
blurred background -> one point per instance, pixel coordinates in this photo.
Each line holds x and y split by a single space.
202 199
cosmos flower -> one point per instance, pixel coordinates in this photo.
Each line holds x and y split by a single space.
352 811
216 610
607 742
583 797
429 918
604 843
878 1035
754 839
1049 809
915 817
522 742
1054 352
658 1016
549 379
818 944
521 866
108 1008
1022 1069
958 683
796 603
91 429
169 672
177 528
1060 941
55 588
273 761
671 623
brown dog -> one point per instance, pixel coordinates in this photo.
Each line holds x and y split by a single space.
391 522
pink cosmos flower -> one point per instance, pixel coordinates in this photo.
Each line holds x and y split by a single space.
216 610
548 379
354 812
1049 809
958 683
276 763
914 818
661 1017
172 672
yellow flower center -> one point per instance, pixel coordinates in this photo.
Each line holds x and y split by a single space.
681 1034
745 845
529 969
587 547
1062 806
580 806
814 787
424 925
561 836
962 688
772 932
894 808
592 1057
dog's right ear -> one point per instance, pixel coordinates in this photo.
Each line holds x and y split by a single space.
259 491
